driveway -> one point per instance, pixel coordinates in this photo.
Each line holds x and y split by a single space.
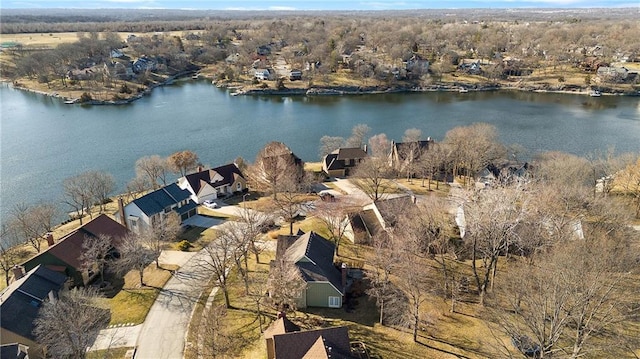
202 221
163 333
117 337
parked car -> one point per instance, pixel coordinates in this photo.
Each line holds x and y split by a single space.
210 204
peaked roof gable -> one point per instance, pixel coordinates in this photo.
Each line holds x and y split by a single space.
304 344
313 255
228 173
156 201
69 248
22 299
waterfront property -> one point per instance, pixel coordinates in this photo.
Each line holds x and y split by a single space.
151 209
65 256
341 161
213 183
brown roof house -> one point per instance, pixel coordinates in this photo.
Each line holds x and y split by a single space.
213 183
340 162
65 255
375 218
313 255
286 341
404 152
20 303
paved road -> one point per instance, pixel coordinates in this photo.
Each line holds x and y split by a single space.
163 333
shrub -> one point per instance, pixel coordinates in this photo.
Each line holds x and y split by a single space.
184 245
85 97
125 89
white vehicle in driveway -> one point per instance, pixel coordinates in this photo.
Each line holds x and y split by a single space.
210 204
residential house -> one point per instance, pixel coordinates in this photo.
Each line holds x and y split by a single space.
65 256
402 153
233 58
295 75
20 303
506 172
612 74
14 351
150 210
313 255
263 50
417 65
214 183
192 37
285 340
471 66
122 70
143 64
116 54
340 162
375 218
263 74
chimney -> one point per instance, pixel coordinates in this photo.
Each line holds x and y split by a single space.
344 276
53 296
18 272
365 149
282 314
200 168
123 219
414 199
49 238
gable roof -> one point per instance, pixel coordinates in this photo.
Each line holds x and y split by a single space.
156 201
319 251
69 248
404 148
281 326
21 300
320 343
229 173
388 208
349 153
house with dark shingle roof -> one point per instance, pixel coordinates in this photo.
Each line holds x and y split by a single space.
213 183
149 210
14 351
404 152
339 162
313 256
20 303
65 256
288 342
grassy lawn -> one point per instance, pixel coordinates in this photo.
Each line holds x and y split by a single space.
128 302
313 166
417 187
112 353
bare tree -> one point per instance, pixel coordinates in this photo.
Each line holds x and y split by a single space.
154 168
329 144
183 161
275 165
134 255
358 137
289 204
380 145
492 218
138 185
334 216
162 233
10 253
70 324
102 184
410 152
77 193
285 285
95 253
372 176
31 223
573 299
628 181
216 340
220 257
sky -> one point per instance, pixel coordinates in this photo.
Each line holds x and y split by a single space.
313 4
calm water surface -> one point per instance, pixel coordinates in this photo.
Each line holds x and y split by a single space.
43 141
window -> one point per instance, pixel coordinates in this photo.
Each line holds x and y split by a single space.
334 302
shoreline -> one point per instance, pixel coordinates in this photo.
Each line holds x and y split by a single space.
239 90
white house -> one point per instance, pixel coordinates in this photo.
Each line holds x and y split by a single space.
263 74
213 183
151 209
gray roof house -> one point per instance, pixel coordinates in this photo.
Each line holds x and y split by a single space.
20 303
149 210
313 255
339 162
213 183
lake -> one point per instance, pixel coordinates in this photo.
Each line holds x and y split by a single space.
43 141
